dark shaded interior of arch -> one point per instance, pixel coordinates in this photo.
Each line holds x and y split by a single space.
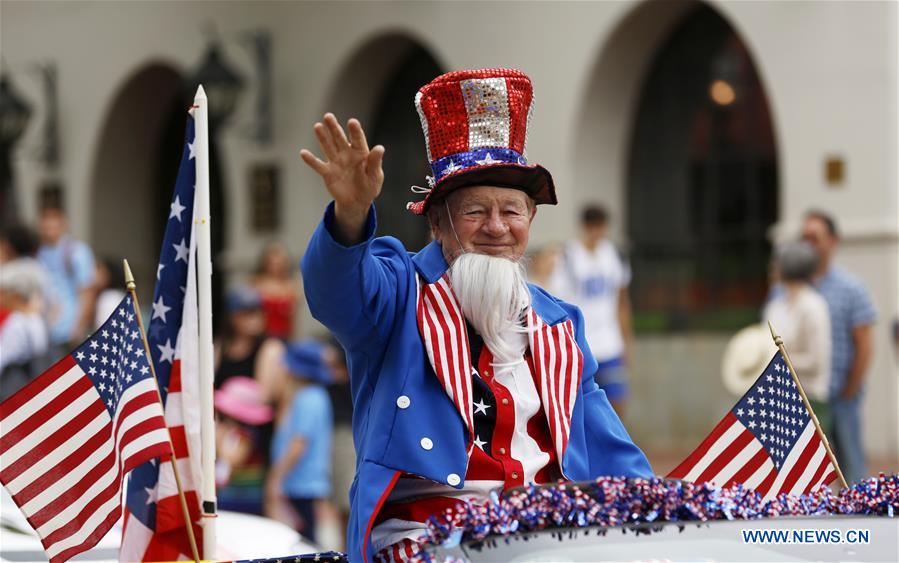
396 125
702 184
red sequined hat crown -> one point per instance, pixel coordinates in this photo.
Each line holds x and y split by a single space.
475 125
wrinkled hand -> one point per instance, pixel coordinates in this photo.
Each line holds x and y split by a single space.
352 173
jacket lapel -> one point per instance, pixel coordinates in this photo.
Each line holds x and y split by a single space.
443 332
558 363
557 359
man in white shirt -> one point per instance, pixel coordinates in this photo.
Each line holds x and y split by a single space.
592 275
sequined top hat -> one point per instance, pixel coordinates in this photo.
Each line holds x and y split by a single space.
475 125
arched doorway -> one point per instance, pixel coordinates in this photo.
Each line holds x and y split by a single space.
701 181
126 193
134 175
378 85
655 166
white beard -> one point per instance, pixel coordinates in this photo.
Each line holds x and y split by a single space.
493 293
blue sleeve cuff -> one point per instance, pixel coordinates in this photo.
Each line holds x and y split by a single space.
371 225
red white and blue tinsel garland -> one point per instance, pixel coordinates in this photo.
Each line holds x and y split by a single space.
637 504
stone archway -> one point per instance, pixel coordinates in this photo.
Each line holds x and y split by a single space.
377 85
123 178
675 375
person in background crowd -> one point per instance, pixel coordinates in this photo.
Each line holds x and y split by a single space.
244 349
243 422
544 262
593 275
301 448
23 333
109 289
280 290
70 266
343 460
852 318
801 317
19 245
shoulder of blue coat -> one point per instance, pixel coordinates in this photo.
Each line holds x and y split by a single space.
550 308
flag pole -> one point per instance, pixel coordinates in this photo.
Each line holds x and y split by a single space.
778 341
132 290
204 305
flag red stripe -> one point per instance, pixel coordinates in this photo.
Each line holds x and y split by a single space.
687 465
179 442
409 552
816 478
766 484
726 456
801 464
175 377
133 405
91 540
42 414
54 440
749 469
830 477
158 450
92 506
75 492
31 390
75 459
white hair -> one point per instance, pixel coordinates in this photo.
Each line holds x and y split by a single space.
493 294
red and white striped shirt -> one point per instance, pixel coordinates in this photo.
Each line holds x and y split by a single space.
513 447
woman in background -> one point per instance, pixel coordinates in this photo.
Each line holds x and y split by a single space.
279 287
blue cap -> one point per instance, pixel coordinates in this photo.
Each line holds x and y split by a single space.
305 360
243 298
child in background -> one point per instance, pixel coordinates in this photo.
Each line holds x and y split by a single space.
242 417
300 475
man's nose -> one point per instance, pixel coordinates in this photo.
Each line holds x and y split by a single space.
495 225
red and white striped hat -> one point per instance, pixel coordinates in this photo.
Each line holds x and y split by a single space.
475 125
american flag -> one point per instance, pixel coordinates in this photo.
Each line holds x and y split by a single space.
70 435
154 522
767 442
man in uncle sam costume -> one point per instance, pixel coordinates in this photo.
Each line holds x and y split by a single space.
465 379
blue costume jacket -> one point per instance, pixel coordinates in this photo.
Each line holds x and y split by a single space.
366 295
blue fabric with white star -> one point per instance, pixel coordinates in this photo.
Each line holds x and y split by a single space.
773 411
113 357
165 321
475 158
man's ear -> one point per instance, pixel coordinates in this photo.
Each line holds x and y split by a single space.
533 211
434 221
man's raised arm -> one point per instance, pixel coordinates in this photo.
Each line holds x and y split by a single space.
348 288
352 174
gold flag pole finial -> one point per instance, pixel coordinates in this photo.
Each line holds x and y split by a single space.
132 291
129 277
776 337
778 341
